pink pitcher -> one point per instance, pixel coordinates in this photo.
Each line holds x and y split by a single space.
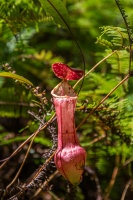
70 156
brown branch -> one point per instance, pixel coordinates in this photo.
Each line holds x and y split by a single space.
18 149
28 150
97 139
126 188
26 141
42 167
94 67
93 173
128 161
95 108
44 184
94 140
113 178
17 104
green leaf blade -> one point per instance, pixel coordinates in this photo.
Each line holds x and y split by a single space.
57 10
16 77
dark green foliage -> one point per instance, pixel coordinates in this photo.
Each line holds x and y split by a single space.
57 10
19 14
35 34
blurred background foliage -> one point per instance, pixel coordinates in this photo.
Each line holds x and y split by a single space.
30 41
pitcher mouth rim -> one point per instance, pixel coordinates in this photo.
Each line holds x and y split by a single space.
75 96
65 96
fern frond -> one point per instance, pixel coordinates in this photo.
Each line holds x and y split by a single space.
118 62
18 15
13 104
125 18
104 42
117 37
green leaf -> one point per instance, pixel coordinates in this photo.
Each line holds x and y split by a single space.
43 141
16 77
57 10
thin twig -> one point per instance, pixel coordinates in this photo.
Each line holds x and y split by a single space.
128 161
123 80
94 67
94 141
46 124
14 153
16 176
42 167
44 184
93 173
54 196
97 139
26 141
113 178
17 104
17 150
126 188
24 187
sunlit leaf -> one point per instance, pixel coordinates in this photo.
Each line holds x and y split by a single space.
16 77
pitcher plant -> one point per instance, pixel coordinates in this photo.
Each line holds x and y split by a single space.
70 156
